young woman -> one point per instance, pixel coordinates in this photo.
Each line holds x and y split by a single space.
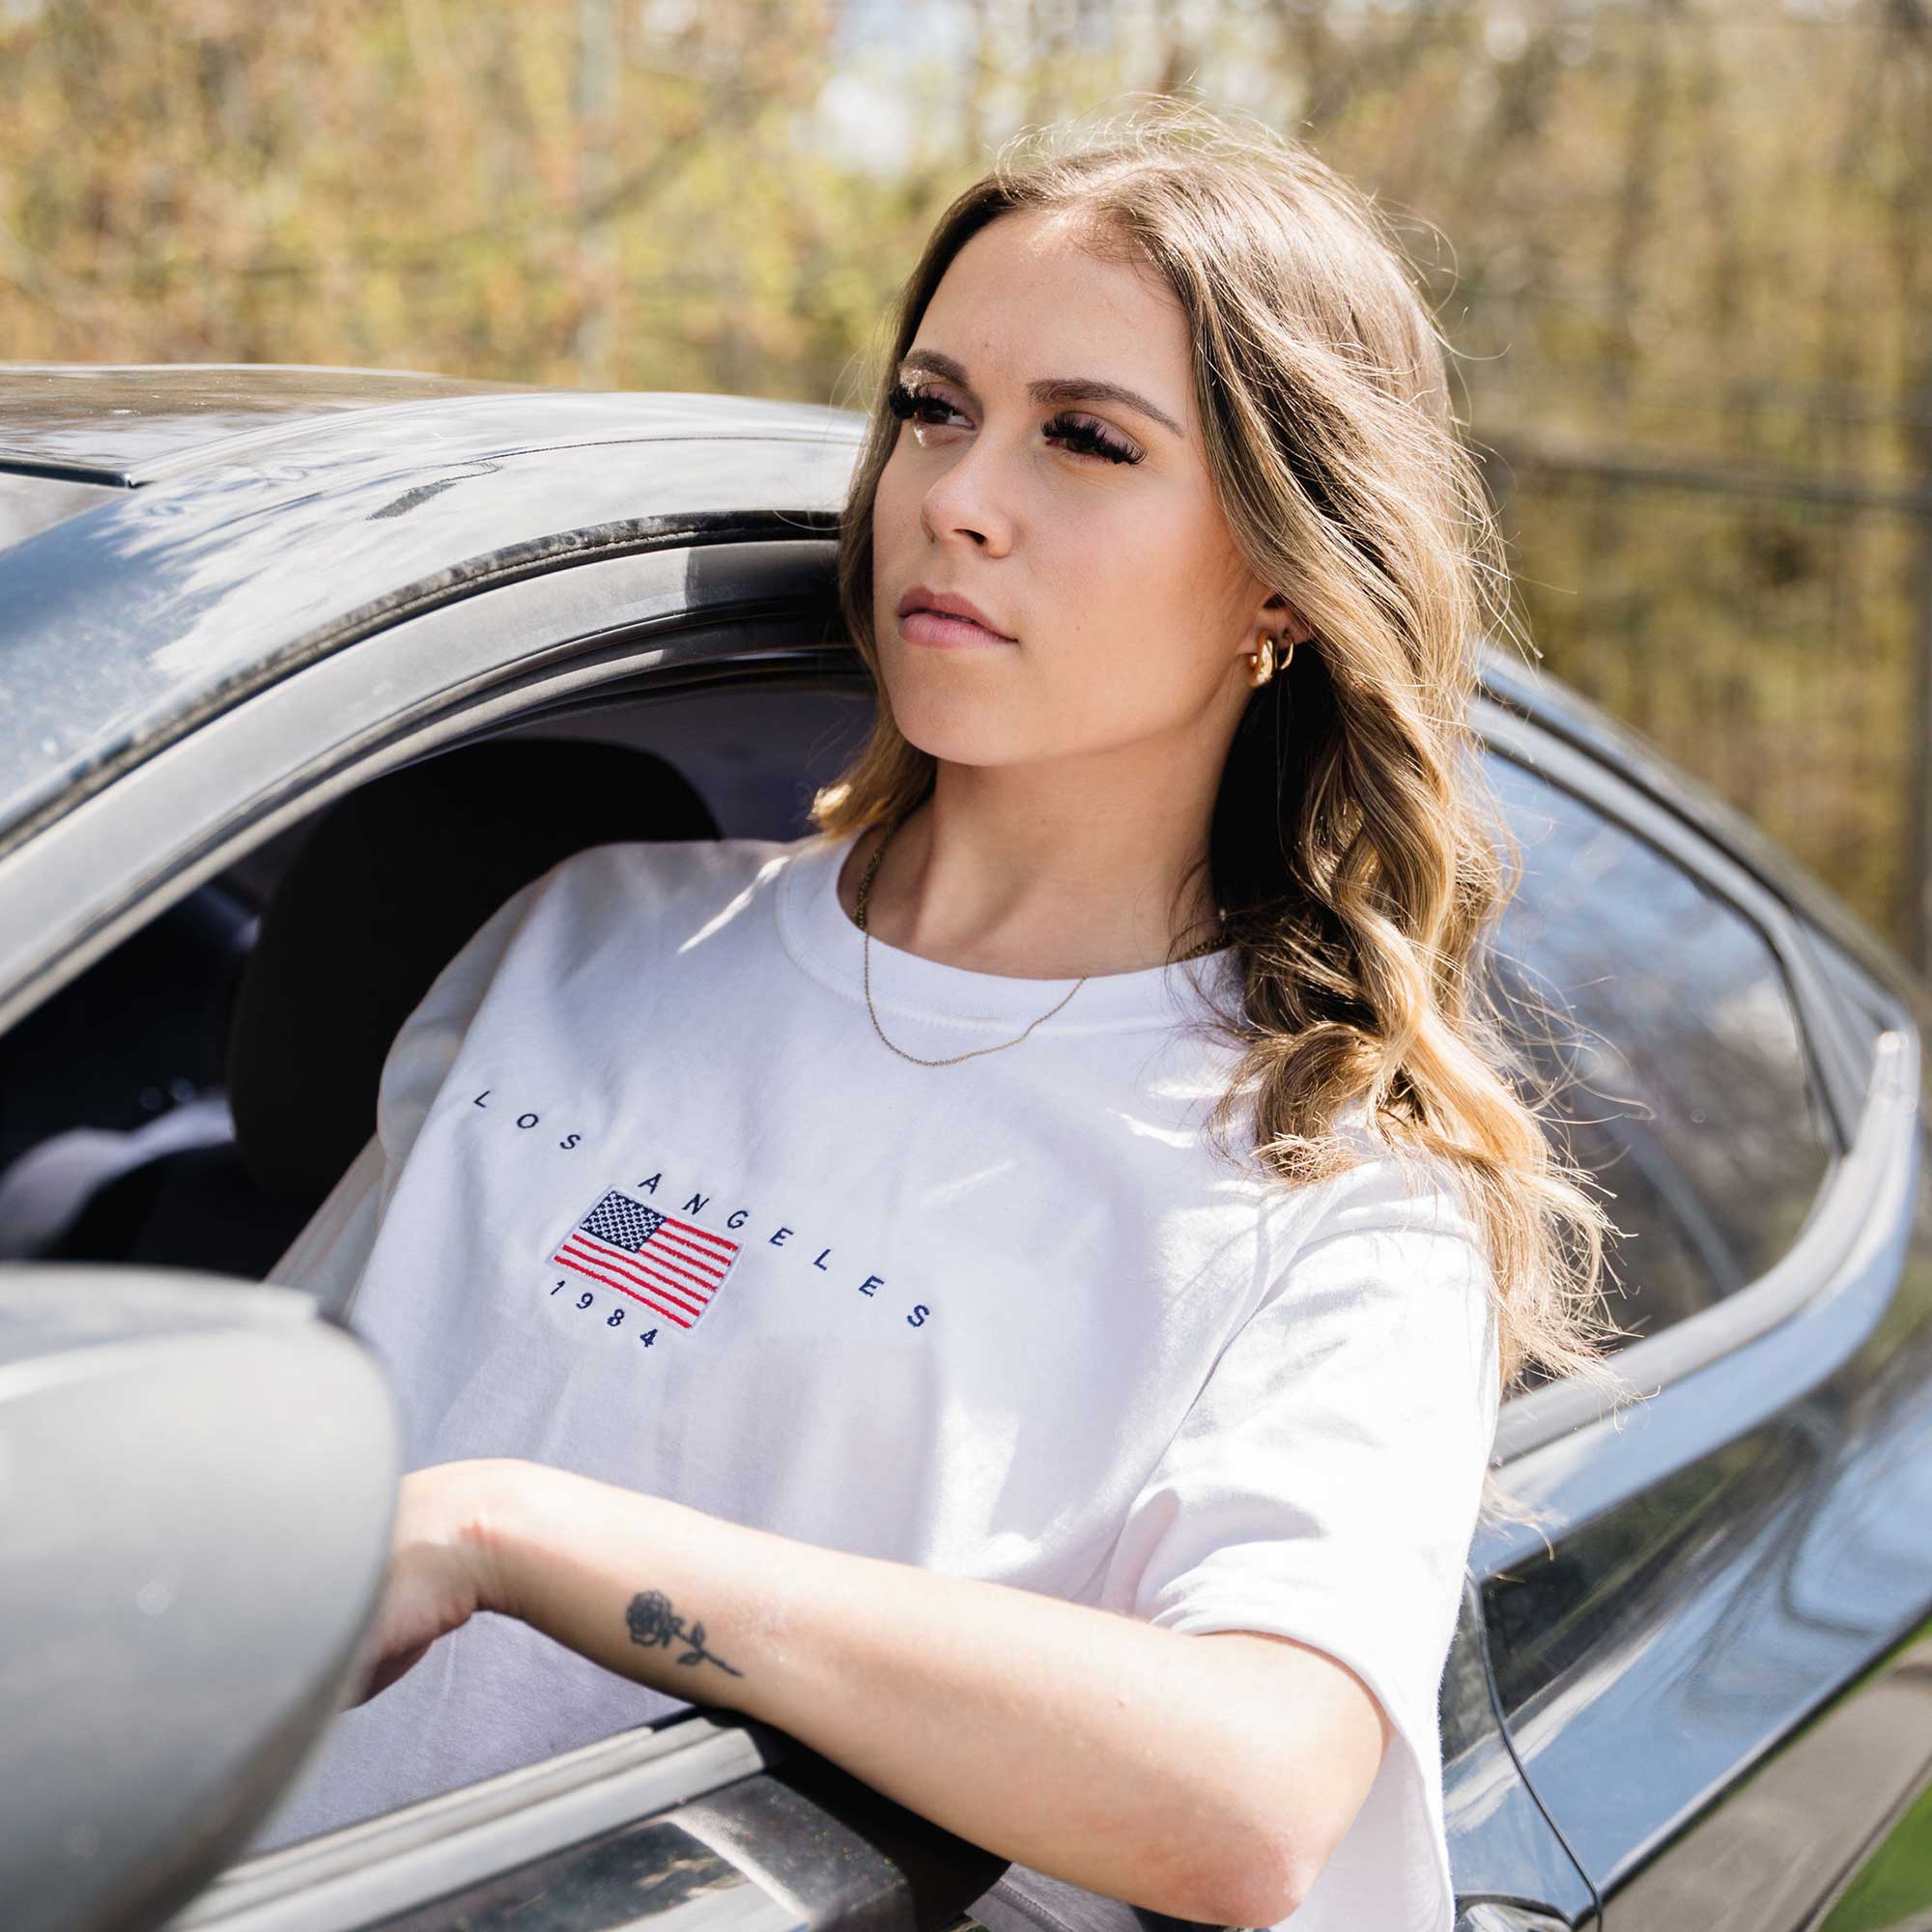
1025 1302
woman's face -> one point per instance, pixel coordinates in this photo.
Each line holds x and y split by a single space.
1126 612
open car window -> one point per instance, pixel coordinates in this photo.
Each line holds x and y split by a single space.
118 1132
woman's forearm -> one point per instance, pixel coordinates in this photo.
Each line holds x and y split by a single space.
1099 1749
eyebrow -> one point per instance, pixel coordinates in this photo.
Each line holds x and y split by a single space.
1050 391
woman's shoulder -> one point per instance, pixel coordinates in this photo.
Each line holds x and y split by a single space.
670 868
637 883
627 892
1385 1188
623 901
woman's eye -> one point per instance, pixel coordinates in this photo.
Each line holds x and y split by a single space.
1090 438
906 402
1083 436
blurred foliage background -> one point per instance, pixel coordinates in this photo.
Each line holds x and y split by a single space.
1682 249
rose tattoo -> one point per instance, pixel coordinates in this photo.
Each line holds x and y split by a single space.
651 1623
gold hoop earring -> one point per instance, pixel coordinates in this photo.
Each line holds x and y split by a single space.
1263 659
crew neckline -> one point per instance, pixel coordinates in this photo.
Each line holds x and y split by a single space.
822 939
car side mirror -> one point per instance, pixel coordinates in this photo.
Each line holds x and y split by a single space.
197 1486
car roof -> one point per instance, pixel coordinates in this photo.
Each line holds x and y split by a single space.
218 526
135 422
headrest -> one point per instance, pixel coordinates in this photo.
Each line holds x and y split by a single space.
386 890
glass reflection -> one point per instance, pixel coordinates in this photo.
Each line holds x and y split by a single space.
1657 1019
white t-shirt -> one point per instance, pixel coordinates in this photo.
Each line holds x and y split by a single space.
649 1199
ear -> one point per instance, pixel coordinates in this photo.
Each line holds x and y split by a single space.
1279 612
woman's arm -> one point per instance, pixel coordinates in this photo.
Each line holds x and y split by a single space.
1143 1765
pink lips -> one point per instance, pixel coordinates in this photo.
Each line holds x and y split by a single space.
945 620
932 626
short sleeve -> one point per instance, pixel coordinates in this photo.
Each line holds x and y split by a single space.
326 1258
1324 1486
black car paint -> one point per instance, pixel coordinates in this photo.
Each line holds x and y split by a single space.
225 565
1738 1567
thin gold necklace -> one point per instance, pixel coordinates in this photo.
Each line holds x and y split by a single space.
859 920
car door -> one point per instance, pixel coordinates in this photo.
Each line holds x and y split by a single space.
711 1819
1509 1867
1710 1659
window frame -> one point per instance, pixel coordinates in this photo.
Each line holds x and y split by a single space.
1829 1113
488 660
1601 789
1561 1444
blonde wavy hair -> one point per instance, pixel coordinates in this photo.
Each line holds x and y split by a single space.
1350 844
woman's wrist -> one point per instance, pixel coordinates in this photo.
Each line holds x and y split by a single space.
613 1573
493 1501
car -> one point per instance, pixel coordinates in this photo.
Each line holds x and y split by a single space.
302 671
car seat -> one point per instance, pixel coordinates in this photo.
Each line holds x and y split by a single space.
121 1063
391 882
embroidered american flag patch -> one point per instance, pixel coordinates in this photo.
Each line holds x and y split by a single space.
671 1265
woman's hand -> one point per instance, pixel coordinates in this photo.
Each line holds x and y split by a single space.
439 1574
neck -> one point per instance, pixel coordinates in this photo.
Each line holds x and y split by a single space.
1023 875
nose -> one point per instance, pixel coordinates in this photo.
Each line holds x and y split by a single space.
966 498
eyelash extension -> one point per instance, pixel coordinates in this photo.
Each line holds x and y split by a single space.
1084 437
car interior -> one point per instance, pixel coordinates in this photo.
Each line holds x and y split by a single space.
190 1098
